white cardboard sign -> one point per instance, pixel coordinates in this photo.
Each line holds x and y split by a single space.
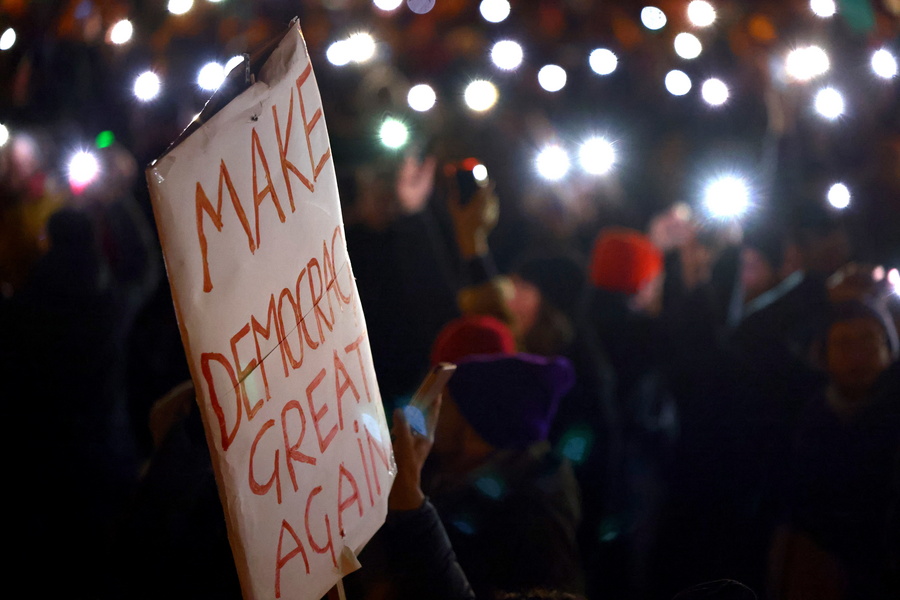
251 228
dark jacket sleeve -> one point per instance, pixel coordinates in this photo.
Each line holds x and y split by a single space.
422 558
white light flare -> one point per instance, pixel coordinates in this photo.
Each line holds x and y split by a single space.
688 46
8 39
84 168
839 196
714 92
4 135
507 55
179 7
678 83
121 32
596 156
727 197
829 103
361 47
552 163
421 97
480 173
552 78
481 95
387 5
823 8
807 63
884 64
603 61
211 76
494 11
701 13
147 86
653 18
893 278
393 133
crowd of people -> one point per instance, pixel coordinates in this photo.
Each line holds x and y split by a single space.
685 404
648 404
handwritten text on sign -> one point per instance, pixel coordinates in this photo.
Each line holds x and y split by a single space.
251 227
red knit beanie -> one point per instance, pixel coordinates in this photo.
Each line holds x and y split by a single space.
475 334
624 260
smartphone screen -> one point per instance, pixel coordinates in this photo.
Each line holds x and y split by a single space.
417 411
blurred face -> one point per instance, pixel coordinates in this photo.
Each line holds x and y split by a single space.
827 254
857 354
757 275
524 304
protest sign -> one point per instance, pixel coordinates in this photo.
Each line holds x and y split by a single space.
251 229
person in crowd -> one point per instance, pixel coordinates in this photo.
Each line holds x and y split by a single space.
510 507
472 334
837 539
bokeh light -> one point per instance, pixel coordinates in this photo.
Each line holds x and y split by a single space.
420 7
687 45
338 53
4 135
678 83
884 64
839 196
714 92
8 39
701 13
727 197
361 47
179 7
829 103
823 8
387 5
507 55
807 63
480 95
596 156
147 86
480 173
393 133
421 97
105 139
552 78
552 163
211 76
893 278
84 168
603 61
494 11
121 32
653 18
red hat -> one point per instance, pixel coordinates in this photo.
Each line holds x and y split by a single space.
624 260
475 334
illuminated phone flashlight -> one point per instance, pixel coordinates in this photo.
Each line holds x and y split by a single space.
507 55
687 46
211 76
180 7
480 95
4 135
701 13
727 197
596 156
494 11
603 61
893 278
393 133
552 163
884 64
714 92
121 32
803 64
8 39
146 86
84 169
829 103
387 5
653 18
552 78
839 196
421 97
